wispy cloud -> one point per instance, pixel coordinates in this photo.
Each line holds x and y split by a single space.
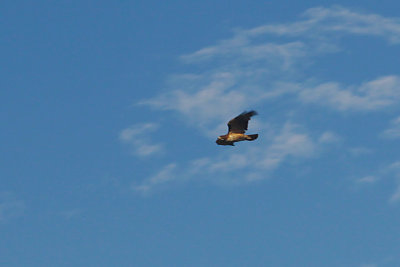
390 172
329 137
211 98
396 195
322 21
394 169
165 175
215 96
257 67
253 68
289 144
370 179
137 136
10 206
394 130
379 93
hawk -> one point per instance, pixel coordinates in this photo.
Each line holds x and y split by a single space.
237 127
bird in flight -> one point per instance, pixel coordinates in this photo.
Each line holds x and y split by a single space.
237 127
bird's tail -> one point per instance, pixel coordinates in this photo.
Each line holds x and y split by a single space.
251 137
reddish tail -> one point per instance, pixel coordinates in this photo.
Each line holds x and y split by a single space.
251 137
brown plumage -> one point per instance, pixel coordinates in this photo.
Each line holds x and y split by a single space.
237 127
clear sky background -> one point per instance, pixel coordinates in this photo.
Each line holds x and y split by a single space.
110 110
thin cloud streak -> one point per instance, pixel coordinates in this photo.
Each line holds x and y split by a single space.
390 171
137 136
324 22
394 169
393 131
162 177
368 180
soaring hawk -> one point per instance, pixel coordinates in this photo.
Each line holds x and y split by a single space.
237 127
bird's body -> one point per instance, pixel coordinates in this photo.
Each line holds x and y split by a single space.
237 128
236 137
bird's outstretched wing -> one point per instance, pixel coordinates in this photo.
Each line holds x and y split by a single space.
239 124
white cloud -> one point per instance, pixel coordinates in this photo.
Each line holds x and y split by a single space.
214 97
165 175
207 101
394 169
395 166
259 66
251 54
137 136
391 171
288 144
329 137
252 68
388 172
367 179
372 95
318 23
325 22
395 196
394 130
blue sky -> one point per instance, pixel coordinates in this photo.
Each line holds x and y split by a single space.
110 113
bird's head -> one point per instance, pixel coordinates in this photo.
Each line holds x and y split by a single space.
220 141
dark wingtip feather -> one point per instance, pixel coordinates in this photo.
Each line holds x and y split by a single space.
250 113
